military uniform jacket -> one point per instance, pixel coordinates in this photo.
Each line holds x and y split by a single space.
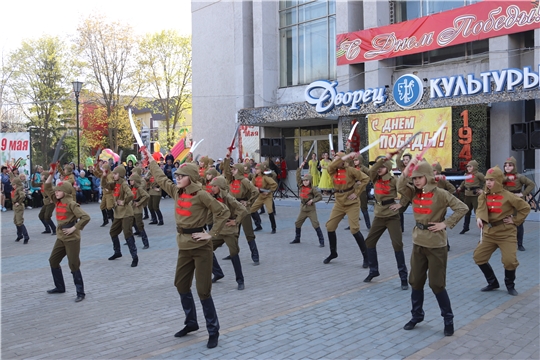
429 205
446 185
67 214
385 190
192 205
307 193
264 182
515 182
140 197
237 212
153 187
66 177
493 207
243 190
121 191
46 199
345 180
472 184
18 196
106 177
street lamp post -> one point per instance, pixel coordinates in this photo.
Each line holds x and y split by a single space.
77 85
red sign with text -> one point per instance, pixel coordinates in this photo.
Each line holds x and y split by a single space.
483 20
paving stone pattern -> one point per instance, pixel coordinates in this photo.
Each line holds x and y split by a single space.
293 307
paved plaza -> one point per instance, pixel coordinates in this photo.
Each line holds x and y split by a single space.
293 306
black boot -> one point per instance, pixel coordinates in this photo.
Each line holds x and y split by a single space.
373 262
362 245
216 269
402 221
110 213
402 269
466 224
446 312
417 300
332 240
154 217
366 218
272 222
212 322
257 220
137 232
188 305
228 257
254 252
297 236
105 217
509 277
25 234
79 285
145 213
447 243
47 227
116 247
320 236
19 233
144 239
53 227
262 210
58 278
490 277
160 217
133 251
520 232
238 271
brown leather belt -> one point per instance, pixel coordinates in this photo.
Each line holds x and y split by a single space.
189 231
344 191
386 202
422 226
496 223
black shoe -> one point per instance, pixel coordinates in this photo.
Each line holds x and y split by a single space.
521 248
212 341
55 291
228 257
273 231
26 241
46 232
153 222
329 258
146 217
321 244
295 241
19 238
241 286
104 224
79 298
449 330
135 262
186 330
448 247
125 243
410 325
137 233
370 277
53 233
255 263
115 256
490 287
463 231
160 223
347 228
217 277
404 285
146 246
258 228
365 264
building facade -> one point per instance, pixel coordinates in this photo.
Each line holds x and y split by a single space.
304 72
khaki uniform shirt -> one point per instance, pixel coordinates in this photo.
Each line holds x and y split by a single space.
515 182
264 182
429 206
105 178
121 191
307 193
237 213
153 187
192 205
67 214
345 179
477 181
446 185
140 198
384 190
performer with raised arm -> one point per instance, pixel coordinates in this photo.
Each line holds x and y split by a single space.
309 195
347 202
195 252
473 188
71 221
499 212
429 254
17 199
266 186
46 211
140 199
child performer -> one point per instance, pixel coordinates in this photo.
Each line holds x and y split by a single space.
473 188
266 186
140 199
17 199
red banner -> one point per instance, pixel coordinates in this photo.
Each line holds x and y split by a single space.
483 20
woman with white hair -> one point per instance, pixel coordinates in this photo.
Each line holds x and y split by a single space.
85 186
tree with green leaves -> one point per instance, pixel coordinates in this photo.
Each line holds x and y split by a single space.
165 63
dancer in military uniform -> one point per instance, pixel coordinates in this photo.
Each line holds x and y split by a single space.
386 218
67 174
402 162
309 195
347 202
514 183
140 199
473 188
429 254
229 233
499 212
17 199
107 199
123 214
443 184
71 221
139 171
266 186
46 211
243 190
195 253
358 164
155 199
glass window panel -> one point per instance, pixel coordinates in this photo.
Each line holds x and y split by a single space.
314 10
331 7
446 53
407 10
313 51
288 17
288 57
283 4
332 60
288 132
435 6
480 47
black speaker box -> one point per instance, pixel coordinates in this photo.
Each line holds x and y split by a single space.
272 147
534 134
266 147
519 140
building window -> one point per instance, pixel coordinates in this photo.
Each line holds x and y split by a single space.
307 32
408 10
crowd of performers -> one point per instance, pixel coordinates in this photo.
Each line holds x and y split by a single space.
211 208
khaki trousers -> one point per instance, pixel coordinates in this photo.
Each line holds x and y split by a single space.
379 226
428 262
310 214
196 262
230 240
339 212
508 246
122 225
70 248
265 200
